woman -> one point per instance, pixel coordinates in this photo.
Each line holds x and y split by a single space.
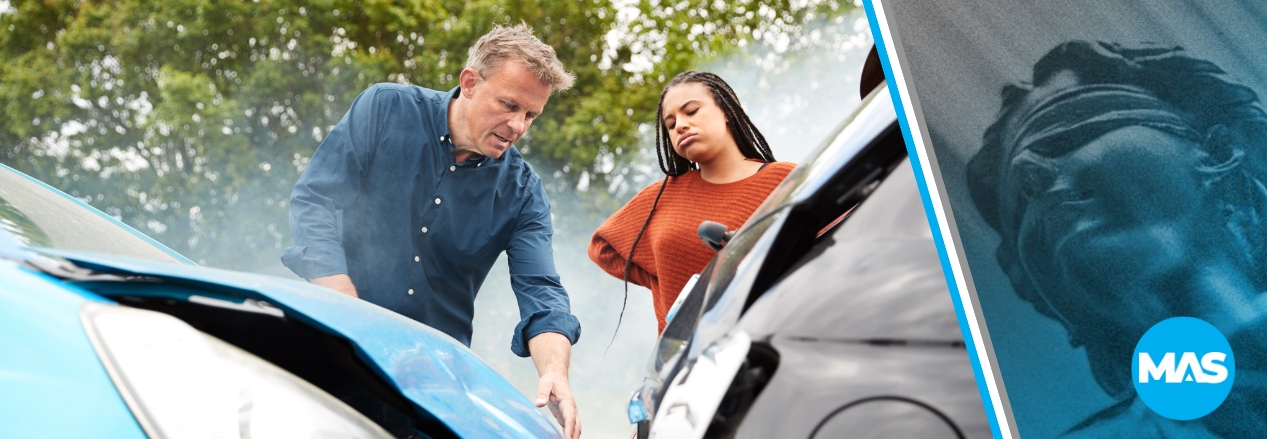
719 168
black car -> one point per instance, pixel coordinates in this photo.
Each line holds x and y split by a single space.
826 315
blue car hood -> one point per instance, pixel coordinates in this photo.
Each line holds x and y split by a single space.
431 369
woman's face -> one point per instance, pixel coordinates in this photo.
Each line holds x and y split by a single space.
696 125
1105 225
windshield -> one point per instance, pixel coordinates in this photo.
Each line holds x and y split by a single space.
40 216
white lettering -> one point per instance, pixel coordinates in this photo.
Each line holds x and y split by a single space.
1149 369
1187 363
1213 362
1167 369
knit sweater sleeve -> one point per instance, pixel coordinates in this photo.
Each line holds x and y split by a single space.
611 242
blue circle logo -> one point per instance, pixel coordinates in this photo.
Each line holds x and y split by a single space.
1183 368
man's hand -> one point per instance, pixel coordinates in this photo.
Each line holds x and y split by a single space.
338 282
551 352
554 391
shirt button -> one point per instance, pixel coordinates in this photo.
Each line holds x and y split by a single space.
437 201
411 291
452 168
424 230
441 138
415 257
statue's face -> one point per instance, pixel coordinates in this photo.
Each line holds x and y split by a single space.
1105 225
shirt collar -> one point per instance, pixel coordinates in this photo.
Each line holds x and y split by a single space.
446 136
442 108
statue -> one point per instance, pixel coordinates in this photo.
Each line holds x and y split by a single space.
1127 184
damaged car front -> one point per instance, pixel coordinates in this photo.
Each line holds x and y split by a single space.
107 333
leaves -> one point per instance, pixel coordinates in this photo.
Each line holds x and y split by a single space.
192 119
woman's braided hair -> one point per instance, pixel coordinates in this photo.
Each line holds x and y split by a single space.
746 135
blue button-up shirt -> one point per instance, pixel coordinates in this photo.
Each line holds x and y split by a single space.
383 201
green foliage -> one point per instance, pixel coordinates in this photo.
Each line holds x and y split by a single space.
192 119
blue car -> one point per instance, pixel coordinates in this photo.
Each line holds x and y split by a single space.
106 333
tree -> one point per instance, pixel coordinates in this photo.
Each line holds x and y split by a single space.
192 119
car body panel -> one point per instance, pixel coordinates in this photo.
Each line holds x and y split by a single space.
873 117
48 368
816 377
895 289
887 328
63 209
433 370
884 417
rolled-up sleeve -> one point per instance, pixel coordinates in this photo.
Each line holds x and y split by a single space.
543 303
331 182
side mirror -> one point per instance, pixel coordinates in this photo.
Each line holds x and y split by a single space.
872 74
714 234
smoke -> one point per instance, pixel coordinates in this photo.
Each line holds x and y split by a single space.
795 92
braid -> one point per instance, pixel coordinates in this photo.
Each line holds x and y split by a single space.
629 261
746 135
670 162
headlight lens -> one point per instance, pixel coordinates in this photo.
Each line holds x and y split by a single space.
694 394
180 382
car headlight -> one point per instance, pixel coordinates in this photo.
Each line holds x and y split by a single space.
180 382
694 394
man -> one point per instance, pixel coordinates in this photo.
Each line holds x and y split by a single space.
414 194
1127 184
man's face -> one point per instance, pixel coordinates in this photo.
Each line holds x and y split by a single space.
1106 226
502 107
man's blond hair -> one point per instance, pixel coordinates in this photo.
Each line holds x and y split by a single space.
517 43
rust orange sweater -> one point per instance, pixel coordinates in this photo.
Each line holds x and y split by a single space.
671 251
